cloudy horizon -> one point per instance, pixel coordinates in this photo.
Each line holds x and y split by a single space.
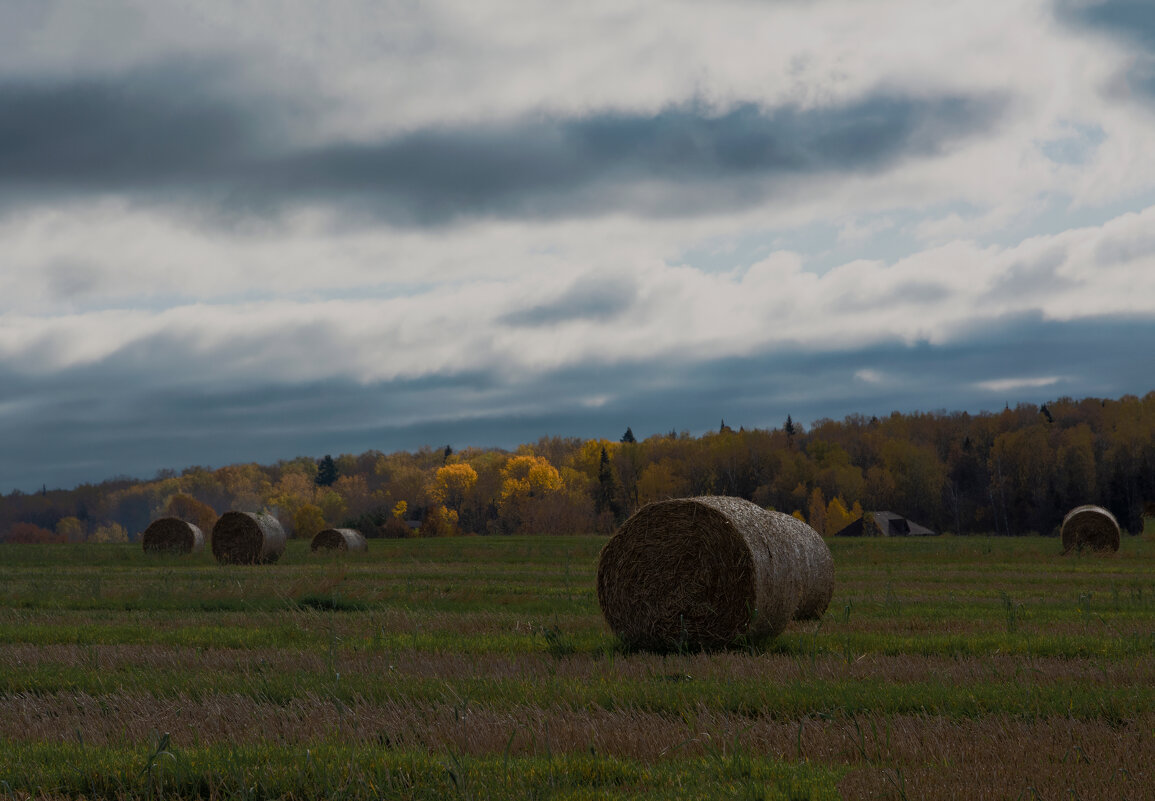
231 235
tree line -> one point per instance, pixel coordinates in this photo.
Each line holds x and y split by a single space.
1013 472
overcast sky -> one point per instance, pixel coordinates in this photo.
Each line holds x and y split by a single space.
250 231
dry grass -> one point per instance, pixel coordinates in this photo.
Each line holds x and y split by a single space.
888 756
706 572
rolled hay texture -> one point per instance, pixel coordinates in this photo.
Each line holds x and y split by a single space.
705 572
1090 528
340 539
172 535
247 538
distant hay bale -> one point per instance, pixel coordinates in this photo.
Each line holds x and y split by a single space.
1090 528
247 538
340 539
706 572
172 535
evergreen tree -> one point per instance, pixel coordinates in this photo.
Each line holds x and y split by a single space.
607 489
326 472
629 435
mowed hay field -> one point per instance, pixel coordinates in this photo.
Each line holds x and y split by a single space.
479 668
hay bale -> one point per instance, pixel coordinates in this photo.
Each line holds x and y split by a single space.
706 572
1090 528
172 535
247 538
340 539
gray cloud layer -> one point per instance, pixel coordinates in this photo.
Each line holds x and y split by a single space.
1132 21
176 132
90 423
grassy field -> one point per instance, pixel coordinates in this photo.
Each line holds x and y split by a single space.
480 668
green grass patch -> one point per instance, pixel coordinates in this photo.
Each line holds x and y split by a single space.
263 771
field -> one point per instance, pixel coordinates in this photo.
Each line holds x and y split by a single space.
478 668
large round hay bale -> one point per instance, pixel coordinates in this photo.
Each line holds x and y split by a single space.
247 538
706 572
340 539
1090 528
172 535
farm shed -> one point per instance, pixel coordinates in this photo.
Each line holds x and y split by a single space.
884 524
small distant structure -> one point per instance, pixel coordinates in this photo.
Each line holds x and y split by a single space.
884 524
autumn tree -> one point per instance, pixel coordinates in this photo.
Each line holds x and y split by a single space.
308 520
30 534
188 508
660 480
452 485
526 481
838 517
70 529
109 533
816 512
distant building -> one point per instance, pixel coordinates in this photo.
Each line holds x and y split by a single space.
884 524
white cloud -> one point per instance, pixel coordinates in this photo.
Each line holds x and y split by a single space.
931 296
1016 384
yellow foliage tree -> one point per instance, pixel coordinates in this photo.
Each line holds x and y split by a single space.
837 517
331 503
588 458
400 509
188 508
659 481
71 529
439 522
294 490
452 484
528 477
109 532
817 510
527 481
308 520
355 490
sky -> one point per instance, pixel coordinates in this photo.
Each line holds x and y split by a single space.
240 231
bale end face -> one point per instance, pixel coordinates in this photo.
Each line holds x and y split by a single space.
1090 528
172 535
340 539
704 573
247 538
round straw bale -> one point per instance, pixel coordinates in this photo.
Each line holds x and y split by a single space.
247 538
171 534
340 539
1090 528
705 572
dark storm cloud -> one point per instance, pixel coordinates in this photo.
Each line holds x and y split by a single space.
1131 21
88 424
556 167
182 132
166 126
598 301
